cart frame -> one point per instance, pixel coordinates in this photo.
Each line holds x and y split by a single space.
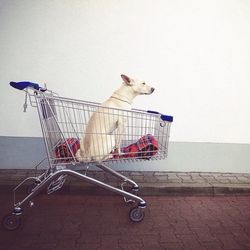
62 118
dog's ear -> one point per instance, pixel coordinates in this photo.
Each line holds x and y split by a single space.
126 79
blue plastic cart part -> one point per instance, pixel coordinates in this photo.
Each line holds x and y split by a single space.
24 85
166 118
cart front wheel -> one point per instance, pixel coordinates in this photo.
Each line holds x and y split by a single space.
11 222
136 214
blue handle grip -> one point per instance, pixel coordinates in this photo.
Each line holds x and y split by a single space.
23 85
166 118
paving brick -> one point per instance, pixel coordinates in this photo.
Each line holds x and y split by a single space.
136 173
223 180
172 245
204 235
181 227
162 178
150 179
153 245
130 246
168 236
229 242
66 244
89 246
213 245
150 240
129 237
243 178
173 176
195 222
217 228
190 242
89 239
160 173
199 180
44 245
241 237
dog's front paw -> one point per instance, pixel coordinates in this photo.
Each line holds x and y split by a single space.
117 150
78 155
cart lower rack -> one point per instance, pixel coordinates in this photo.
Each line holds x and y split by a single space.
64 121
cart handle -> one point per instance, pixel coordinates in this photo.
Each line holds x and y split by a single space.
23 85
166 118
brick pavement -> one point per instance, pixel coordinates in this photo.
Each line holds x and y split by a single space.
67 220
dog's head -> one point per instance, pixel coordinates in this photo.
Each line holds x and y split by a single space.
139 87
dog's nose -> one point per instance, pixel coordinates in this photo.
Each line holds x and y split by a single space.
152 90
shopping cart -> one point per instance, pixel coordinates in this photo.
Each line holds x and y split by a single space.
63 122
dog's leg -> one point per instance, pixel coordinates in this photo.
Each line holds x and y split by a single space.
119 135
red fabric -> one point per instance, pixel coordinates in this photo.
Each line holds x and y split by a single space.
145 147
63 150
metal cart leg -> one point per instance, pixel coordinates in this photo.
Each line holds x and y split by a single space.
135 187
12 221
56 175
120 176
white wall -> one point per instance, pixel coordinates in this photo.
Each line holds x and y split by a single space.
196 53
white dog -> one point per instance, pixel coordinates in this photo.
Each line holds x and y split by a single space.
104 130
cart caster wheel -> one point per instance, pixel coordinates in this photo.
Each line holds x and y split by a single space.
11 222
136 214
135 190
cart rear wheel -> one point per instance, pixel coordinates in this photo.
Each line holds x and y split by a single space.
136 214
11 222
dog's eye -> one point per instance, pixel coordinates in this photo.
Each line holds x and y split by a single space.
143 83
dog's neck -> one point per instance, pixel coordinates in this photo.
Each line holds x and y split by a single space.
120 98
124 94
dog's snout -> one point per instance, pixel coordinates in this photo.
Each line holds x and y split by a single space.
152 90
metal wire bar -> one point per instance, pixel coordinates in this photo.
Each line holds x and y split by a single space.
63 118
